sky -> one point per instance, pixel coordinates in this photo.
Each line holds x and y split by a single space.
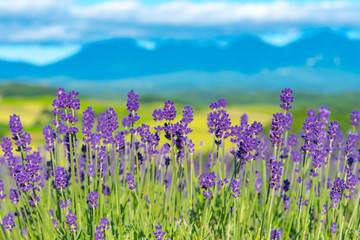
45 31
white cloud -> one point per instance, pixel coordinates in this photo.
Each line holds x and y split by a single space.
62 20
37 54
281 39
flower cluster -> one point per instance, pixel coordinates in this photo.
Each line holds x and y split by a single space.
355 118
8 222
23 139
276 234
65 104
277 128
158 234
71 221
206 182
218 121
60 178
100 230
235 187
276 172
7 149
336 191
130 180
286 98
88 123
92 199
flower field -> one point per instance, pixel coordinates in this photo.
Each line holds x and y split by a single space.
110 176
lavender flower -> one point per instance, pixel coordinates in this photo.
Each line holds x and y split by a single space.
286 185
8 222
351 181
333 228
158 115
71 221
336 191
2 194
286 98
16 128
350 145
119 142
92 199
64 204
219 124
100 230
277 128
276 172
333 130
14 196
221 183
60 178
169 111
235 187
324 114
158 233
49 135
288 121
126 123
104 223
222 102
276 234
91 171
88 123
132 102
355 118
107 125
130 180
244 120
99 234
188 115
323 213
54 221
23 139
292 140
7 150
258 183
207 182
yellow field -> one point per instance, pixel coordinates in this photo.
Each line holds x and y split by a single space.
35 113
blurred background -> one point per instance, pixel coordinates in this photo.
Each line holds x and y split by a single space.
191 52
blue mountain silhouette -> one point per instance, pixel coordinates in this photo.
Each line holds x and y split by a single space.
123 58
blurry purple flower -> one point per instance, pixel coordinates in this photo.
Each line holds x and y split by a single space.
276 234
92 199
8 222
355 118
158 232
71 221
333 228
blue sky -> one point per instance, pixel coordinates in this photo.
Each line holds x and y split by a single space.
44 31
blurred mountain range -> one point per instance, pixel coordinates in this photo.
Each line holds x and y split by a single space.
324 61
